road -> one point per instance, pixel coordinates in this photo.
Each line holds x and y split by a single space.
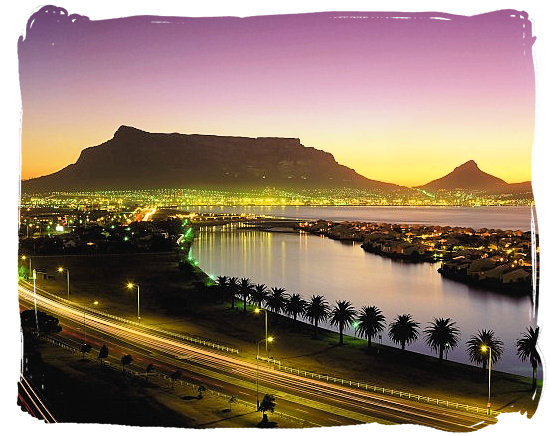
314 401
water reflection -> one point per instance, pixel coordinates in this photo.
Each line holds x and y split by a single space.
309 264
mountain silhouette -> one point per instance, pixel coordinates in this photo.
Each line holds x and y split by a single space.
469 177
135 159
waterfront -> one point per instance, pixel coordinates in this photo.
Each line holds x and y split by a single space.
309 264
498 217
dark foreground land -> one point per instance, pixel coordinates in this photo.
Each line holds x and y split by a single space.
176 300
82 391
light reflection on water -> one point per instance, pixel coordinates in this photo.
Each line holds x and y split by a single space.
310 264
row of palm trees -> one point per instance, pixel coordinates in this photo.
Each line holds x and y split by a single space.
441 334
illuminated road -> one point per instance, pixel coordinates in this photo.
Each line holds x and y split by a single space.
315 401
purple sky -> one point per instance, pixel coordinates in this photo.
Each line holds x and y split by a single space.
400 100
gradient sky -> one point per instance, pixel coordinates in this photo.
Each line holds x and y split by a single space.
402 100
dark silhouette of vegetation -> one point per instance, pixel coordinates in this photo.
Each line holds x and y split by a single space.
233 289
276 300
441 334
39 322
267 405
403 330
222 284
259 294
487 338
149 370
85 349
245 289
295 305
103 353
371 321
527 349
342 315
175 376
317 309
126 360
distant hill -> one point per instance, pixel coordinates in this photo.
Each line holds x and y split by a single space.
135 159
469 177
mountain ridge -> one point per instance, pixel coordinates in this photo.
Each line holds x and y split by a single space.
469 176
136 159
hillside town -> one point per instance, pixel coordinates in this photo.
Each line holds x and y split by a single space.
497 259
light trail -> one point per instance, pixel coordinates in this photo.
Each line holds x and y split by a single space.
346 403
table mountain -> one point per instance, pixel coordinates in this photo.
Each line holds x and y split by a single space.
135 159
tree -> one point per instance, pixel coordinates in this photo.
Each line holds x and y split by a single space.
441 334
233 289
201 390
39 322
342 315
317 309
85 348
259 294
295 306
276 300
487 338
222 284
175 376
267 405
126 360
527 349
371 322
149 370
403 330
103 353
245 288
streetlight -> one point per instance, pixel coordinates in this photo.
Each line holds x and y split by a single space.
266 340
61 269
484 348
30 263
256 311
130 286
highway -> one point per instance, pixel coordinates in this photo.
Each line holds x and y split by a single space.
314 401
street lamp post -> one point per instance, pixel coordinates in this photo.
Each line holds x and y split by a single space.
130 286
258 310
484 348
61 269
30 263
266 340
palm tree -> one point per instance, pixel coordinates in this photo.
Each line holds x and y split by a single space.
276 300
403 330
222 283
245 288
317 309
342 314
259 294
487 338
441 334
371 322
233 289
527 349
295 306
